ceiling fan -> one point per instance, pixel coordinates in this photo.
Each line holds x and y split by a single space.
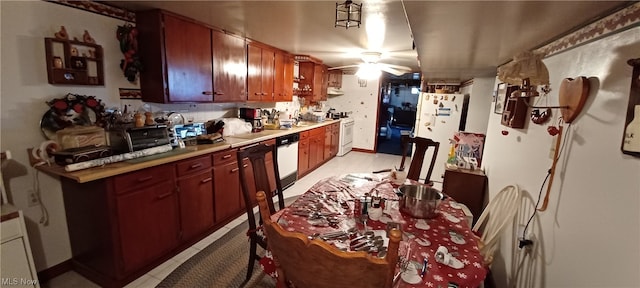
371 67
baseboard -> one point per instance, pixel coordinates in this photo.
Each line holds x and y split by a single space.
55 271
363 150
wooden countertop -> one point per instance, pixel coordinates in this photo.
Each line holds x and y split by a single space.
235 141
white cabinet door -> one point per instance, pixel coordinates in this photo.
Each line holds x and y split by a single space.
15 266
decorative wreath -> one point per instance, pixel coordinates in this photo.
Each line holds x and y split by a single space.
128 37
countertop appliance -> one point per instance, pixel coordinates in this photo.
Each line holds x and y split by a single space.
288 158
253 116
131 139
439 117
346 136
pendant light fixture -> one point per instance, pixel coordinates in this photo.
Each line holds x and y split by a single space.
348 14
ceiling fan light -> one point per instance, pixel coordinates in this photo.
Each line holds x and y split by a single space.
348 14
369 71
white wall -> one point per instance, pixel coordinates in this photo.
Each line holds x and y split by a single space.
25 89
363 102
480 95
590 234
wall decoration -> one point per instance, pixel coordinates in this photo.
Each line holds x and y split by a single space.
631 135
72 110
620 20
73 62
501 96
131 65
126 93
99 8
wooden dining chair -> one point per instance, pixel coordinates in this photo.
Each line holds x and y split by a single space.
257 179
316 263
421 146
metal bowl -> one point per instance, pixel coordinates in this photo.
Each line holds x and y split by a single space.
420 201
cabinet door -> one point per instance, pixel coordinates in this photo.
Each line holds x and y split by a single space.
254 73
227 190
327 143
196 204
15 264
335 139
303 156
324 83
278 77
229 68
188 58
148 224
316 148
268 73
335 78
318 77
288 78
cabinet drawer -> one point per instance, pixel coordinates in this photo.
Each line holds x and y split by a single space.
269 142
304 135
143 178
224 157
316 131
10 229
193 165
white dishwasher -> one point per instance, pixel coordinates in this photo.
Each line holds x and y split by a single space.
288 159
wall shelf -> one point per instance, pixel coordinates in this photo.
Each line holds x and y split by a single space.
74 62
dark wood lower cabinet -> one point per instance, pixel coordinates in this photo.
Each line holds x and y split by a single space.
196 203
123 226
148 224
467 187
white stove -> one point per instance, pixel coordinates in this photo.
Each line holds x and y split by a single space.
346 136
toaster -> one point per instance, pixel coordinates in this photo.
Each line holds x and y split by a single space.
131 139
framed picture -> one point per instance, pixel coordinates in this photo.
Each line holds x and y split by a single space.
501 97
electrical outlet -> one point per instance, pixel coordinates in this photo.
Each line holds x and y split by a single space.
32 198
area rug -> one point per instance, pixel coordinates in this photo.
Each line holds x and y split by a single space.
221 264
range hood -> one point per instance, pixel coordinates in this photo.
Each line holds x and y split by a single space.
334 91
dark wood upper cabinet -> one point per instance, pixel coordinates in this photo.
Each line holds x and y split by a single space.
283 78
229 67
335 79
260 72
177 58
313 81
186 61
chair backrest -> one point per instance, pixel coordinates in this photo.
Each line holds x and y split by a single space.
422 144
500 211
316 263
258 178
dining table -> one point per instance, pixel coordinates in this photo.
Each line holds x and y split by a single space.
438 252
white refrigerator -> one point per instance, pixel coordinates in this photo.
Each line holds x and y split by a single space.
439 117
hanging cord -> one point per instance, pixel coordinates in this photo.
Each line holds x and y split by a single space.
44 217
535 210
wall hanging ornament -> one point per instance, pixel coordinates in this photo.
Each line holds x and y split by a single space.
542 115
631 136
128 37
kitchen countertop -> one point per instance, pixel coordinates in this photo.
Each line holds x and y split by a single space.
235 141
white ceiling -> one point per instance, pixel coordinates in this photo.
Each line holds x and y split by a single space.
455 40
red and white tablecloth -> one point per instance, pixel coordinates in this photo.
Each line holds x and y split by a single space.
421 237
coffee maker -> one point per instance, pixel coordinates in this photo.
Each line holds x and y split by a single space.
253 116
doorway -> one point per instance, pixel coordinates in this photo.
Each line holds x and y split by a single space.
397 110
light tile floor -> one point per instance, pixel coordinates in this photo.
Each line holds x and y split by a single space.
353 162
